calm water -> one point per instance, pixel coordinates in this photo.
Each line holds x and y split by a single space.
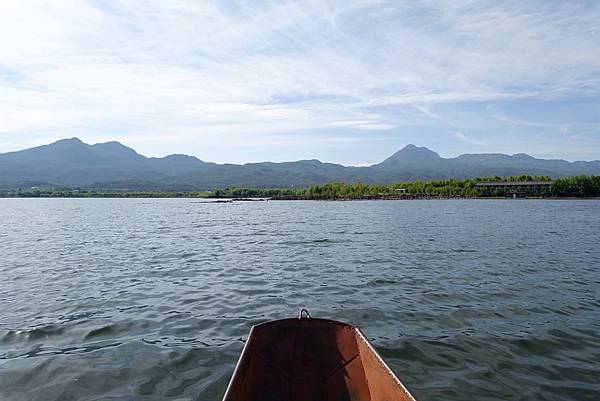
140 299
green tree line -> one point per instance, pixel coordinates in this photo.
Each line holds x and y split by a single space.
578 186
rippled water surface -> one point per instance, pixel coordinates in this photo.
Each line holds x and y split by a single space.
138 299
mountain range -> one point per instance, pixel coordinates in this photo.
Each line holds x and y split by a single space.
111 165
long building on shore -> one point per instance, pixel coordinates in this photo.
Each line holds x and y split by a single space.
516 187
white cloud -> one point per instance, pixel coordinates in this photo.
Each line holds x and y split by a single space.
466 138
369 125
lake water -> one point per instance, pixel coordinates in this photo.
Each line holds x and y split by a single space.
151 299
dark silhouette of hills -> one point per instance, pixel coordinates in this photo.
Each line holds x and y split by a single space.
111 165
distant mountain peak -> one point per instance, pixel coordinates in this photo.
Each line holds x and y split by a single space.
67 141
111 143
311 161
523 156
413 150
411 153
73 139
114 146
179 158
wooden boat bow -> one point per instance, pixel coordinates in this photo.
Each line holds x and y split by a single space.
307 359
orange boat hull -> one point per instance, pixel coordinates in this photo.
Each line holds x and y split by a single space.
312 360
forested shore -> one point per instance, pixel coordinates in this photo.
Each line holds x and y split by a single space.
578 186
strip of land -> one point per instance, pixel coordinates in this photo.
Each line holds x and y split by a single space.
582 186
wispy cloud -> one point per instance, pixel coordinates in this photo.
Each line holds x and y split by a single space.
197 71
369 125
468 139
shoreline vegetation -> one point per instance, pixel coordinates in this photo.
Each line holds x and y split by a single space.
569 187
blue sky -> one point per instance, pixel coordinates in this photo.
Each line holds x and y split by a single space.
347 81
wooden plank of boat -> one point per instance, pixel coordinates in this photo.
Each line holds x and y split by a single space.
307 359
